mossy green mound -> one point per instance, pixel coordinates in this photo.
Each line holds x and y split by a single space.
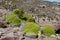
18 12
13 19
48 30
17 16
28 17
31 27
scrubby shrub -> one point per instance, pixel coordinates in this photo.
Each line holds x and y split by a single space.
18 12
13 19
18 16
31 27
48 29
28 17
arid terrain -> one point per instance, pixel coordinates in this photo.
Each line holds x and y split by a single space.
44 12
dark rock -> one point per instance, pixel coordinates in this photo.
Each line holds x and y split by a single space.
23 38
58 31
17 25
3 25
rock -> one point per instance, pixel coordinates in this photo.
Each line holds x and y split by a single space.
23 38
17 25
7 38
53 35
31 35
16 29
3 25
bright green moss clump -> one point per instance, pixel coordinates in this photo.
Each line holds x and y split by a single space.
18 12
48 29
31 27
28 17
17 16
13 19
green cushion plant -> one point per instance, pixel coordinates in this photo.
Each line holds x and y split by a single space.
48 29
31 27
28 17
13 19
23 16
18 16
18 12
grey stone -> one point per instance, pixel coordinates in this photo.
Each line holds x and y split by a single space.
31 35
7 38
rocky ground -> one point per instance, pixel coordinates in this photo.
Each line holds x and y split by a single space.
10 34
38 7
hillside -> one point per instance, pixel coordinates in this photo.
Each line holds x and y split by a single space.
29 20
51 9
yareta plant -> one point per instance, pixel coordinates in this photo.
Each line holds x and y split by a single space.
23 16
13 19
48 30
18 12
18 16
28 17
31 27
